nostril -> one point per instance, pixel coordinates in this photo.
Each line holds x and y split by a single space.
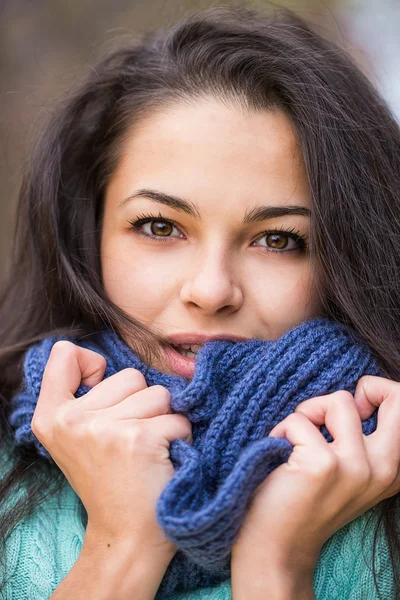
228 308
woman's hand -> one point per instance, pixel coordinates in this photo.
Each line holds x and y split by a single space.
323 485
113 447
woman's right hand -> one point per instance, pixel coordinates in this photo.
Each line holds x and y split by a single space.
112 444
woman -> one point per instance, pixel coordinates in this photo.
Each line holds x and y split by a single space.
269 169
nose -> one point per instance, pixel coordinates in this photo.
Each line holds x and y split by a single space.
211 287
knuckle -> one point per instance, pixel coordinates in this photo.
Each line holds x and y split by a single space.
184 423
294 418
97 429
392 402
365 379
68 418
324 466
360 475
104 437
132 377
138 437
161 390
162 394
60 422
344 397
63 347
38 426
386 474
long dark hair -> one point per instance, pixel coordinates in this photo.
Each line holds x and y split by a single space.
351 147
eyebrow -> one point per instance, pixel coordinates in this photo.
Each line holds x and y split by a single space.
255 215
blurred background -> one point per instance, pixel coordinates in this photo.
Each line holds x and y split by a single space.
46 45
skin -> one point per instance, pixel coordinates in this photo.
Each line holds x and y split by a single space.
214 275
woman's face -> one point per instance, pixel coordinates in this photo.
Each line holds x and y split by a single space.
205 228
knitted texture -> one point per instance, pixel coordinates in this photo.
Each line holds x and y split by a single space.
44 547
239 392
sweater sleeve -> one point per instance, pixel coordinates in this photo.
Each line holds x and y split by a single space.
344 569
43 548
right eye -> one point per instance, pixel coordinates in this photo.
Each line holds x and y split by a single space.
156 227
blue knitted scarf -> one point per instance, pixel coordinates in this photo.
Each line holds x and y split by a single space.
239 392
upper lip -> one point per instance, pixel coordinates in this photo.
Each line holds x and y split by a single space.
202 338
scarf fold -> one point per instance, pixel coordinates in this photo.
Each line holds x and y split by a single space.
239 392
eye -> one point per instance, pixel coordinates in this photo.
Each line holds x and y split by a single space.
155 227
158 228
282 241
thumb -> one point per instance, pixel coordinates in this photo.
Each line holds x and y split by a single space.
370 393
68 366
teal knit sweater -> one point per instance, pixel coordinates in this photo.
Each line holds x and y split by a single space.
44 547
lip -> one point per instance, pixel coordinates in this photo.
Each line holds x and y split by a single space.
202 338
184 366
179 364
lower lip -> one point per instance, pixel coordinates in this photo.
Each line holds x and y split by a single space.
179 364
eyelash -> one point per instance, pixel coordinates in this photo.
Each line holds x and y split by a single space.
293 234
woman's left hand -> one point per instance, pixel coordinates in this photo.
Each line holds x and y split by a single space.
323 485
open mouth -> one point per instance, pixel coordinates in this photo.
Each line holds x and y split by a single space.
187 350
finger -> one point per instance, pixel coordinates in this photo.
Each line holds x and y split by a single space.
370 393
114 389
299 431
171 427
383 445
338 412
67 367
150 402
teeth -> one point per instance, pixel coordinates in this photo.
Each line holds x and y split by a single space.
192 347
189 350
188 354
195 347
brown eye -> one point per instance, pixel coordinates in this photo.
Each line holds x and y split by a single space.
281 241
156 228
161 228
277 240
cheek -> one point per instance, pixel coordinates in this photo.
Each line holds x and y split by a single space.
136 283
286 296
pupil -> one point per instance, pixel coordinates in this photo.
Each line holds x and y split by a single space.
277 240
161 228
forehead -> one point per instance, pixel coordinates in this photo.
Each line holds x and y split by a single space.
213 153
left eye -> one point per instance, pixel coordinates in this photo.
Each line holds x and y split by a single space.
279 241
